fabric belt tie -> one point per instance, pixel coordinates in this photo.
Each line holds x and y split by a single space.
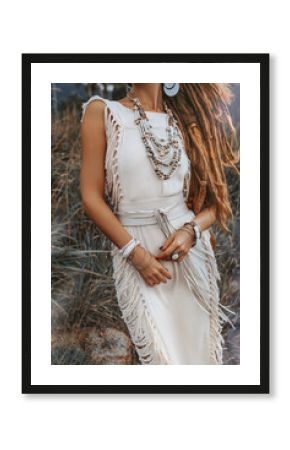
157 215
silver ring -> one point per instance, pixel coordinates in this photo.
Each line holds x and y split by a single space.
174 255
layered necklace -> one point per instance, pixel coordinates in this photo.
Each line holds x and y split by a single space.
164 154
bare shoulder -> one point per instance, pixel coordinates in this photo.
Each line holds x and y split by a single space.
93 118
95 108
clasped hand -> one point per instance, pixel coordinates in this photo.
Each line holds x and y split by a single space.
179 241
148 265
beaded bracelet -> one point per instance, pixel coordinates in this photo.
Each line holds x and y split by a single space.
194 226
128 248
197 229
191 232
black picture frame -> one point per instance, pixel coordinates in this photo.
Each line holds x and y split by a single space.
263 60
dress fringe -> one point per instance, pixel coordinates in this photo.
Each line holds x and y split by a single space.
135 313
113 186
209 298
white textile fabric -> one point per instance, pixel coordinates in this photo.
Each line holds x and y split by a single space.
180 321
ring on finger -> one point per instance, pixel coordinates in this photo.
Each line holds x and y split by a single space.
175 255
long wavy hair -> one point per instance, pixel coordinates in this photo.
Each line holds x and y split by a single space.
202 113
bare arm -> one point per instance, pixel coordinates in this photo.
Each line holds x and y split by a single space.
92 185
92 175
206 217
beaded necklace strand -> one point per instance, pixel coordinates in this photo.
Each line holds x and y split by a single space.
164 154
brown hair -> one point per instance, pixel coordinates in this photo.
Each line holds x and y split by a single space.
202 113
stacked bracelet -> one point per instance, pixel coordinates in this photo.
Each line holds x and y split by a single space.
129 247
196 229
190 230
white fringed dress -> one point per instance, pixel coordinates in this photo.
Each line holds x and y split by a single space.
178 322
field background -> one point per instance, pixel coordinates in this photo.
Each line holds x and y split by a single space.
87 327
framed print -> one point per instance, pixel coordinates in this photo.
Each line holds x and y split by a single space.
145 221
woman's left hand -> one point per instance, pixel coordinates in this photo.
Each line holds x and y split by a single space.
179 241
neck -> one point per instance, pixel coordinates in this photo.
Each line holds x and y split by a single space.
150 95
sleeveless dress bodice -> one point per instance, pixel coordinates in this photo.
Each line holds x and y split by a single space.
137 176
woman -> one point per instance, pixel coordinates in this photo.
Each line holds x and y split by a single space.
159 156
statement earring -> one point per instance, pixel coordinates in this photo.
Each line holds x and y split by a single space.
170 89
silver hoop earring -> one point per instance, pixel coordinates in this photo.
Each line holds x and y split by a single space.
170 89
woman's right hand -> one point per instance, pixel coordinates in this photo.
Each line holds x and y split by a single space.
152 271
